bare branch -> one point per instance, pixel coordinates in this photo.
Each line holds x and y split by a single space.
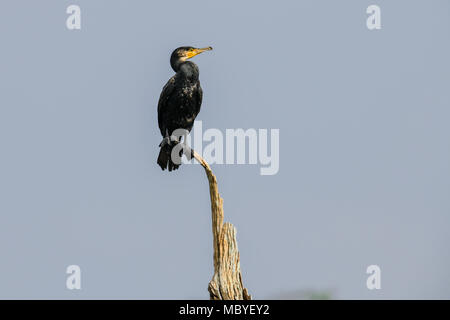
226 283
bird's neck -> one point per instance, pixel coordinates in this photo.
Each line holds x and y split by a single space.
176 64
188 70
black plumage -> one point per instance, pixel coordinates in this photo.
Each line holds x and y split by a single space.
179 103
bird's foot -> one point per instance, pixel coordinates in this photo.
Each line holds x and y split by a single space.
165 141
169 140
174 139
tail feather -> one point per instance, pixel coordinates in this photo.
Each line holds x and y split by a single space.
165 158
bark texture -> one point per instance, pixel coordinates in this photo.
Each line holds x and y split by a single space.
226 283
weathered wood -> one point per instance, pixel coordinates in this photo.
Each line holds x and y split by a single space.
226 283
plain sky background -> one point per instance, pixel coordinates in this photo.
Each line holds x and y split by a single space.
364 148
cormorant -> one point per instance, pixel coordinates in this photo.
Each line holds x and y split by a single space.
179 102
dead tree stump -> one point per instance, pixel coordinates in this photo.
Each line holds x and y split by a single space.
226 283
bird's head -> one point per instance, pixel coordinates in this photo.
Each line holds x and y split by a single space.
181 54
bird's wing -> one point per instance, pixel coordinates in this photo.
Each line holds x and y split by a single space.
199 99
162 103
195 107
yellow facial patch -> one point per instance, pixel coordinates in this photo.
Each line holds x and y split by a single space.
193 52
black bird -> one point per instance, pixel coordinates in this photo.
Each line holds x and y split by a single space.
179 102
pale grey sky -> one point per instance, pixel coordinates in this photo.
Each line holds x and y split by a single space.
364 148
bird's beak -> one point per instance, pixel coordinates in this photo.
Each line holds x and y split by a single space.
197 51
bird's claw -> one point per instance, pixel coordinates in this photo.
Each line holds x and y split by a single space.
165 141
174 139
168 141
